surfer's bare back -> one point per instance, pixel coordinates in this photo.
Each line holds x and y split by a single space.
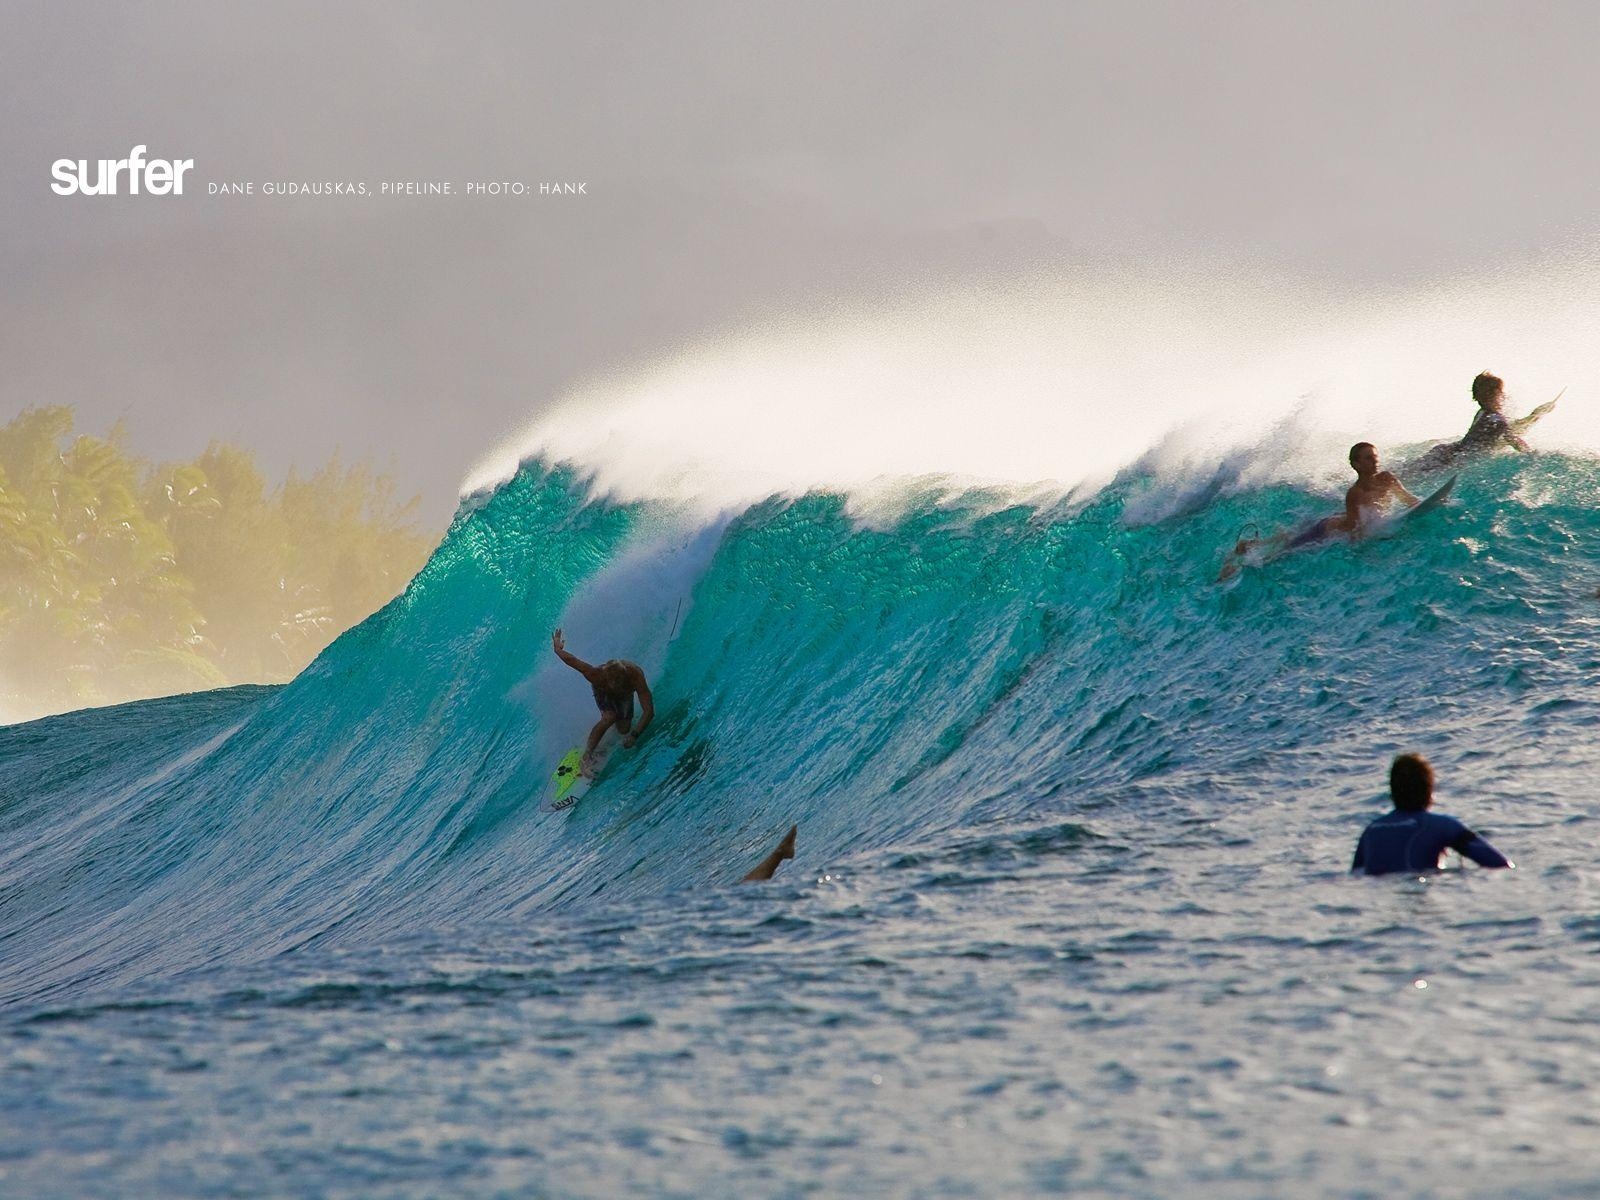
614 683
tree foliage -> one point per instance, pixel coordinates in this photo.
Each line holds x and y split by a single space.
120 579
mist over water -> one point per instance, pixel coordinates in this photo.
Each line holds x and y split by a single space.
1066 379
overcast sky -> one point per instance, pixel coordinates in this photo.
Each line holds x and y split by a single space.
739 159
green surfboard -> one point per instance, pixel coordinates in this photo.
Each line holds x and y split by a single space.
567 782
570 782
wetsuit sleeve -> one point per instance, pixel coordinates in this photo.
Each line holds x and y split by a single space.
1479 851
1359 862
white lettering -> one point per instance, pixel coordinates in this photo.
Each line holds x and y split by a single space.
305 187
135 164
415 188
157 176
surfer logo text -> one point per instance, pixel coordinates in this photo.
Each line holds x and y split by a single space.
155 177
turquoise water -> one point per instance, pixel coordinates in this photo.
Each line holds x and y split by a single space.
1069 914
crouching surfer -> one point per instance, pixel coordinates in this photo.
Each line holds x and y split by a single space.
1368 497
614 683
1411 838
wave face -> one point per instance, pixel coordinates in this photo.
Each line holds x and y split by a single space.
936 693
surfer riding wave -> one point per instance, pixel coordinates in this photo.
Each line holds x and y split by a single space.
614 684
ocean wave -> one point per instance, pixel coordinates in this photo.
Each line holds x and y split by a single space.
961 685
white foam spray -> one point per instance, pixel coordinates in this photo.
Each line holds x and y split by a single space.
1068 379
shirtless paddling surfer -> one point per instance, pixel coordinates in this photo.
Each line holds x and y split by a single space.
1364 503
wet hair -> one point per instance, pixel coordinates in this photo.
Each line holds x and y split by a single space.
1358 448
615 677
1487 386
1411 782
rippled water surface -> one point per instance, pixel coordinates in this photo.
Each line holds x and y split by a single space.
1069 915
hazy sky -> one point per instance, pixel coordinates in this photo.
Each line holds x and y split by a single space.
740 159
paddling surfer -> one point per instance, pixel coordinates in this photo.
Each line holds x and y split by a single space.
614 684
1371 493
1364 503
1490 428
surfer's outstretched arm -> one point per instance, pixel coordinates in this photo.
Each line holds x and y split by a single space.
765 868
1479 851
1532 418
559 645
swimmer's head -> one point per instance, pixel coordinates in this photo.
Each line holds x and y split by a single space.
1362 450
1488 390
1411 782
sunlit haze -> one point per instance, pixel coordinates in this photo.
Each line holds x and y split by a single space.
1068 378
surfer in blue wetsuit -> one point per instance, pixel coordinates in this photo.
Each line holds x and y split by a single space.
1368 496
614 684
1411 838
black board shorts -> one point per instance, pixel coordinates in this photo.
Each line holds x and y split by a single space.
623 713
